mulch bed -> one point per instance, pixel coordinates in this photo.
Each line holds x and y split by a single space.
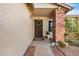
70 51
30 51
56 51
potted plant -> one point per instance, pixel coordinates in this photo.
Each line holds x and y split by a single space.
47 33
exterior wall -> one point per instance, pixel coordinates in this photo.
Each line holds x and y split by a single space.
15 29
45 24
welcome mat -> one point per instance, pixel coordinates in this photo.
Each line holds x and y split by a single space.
38 39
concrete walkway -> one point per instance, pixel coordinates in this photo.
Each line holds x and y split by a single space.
43 51
42 48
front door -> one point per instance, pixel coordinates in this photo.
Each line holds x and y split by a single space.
38 28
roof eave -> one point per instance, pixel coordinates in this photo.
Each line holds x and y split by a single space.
68 7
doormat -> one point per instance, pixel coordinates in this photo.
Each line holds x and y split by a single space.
38 39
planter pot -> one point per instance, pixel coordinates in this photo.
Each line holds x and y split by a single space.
53 44
48 37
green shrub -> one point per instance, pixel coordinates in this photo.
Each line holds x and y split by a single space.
72 38
47 32
73 42
62 44
72 35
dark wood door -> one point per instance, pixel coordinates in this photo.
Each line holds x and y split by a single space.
38 28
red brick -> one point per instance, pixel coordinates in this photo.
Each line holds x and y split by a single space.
58 17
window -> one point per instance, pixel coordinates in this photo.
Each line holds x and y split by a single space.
50 25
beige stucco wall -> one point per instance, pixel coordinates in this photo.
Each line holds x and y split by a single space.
45 24
15 29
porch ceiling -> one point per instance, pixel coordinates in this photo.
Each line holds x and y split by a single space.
43 12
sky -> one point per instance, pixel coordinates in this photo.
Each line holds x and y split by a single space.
75 10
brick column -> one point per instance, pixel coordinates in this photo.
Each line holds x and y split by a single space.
58 18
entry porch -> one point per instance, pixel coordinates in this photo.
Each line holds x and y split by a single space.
49 17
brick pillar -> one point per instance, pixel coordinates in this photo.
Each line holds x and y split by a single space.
58 18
